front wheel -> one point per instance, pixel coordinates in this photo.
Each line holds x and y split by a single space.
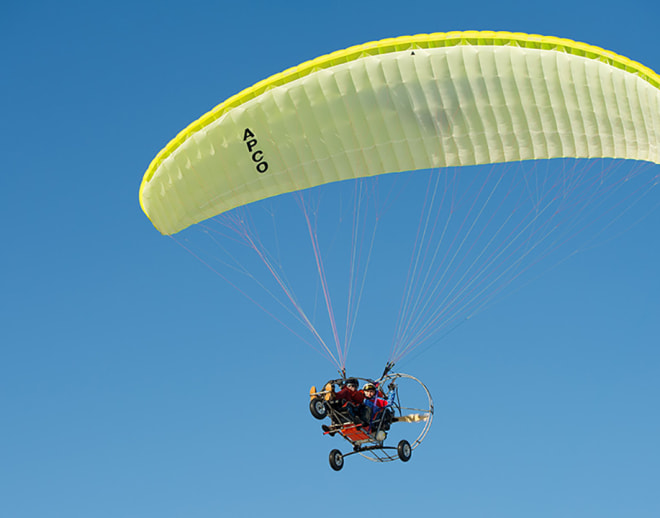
336 460
404 450
317 408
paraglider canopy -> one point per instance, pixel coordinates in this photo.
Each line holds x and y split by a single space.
408 103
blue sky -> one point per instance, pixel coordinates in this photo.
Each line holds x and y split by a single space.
134 383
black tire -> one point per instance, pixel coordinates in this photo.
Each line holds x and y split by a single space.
336 460
404 450
317 408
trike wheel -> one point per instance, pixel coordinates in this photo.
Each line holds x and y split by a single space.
404 450
317 408
336 460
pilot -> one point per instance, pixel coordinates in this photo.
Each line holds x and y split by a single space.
353 400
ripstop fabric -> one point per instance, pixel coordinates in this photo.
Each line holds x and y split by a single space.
406 104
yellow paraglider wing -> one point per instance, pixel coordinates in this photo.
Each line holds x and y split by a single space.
402 104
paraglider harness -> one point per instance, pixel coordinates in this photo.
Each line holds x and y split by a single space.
367 415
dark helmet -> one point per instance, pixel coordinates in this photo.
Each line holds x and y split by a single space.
352 381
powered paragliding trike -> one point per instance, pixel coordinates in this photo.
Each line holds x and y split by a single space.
405 422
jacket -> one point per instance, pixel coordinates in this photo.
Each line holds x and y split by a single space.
353 396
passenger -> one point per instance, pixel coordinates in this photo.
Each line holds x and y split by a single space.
377 413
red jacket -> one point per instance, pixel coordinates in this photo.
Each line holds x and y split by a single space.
354 396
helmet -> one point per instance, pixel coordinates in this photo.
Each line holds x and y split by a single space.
369 386
352 381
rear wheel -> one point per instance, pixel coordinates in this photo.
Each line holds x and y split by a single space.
404 450
336 460
317 408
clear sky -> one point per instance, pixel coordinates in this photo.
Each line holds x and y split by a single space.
134 383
